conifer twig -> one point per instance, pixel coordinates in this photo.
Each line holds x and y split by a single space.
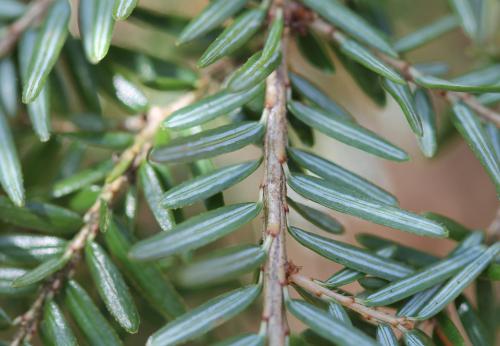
275 206
116 181
410 73
372 315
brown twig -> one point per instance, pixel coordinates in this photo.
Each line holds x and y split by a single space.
471 101
116 182
372 315
16 29
410 73
275 209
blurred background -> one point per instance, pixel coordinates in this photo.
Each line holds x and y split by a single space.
453 183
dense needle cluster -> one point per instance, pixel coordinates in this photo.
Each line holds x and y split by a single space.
77 267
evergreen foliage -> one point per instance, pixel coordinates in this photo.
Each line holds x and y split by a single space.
77 264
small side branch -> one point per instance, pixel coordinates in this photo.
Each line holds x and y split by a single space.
129 160
483 111
410 73
16 29
372 315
